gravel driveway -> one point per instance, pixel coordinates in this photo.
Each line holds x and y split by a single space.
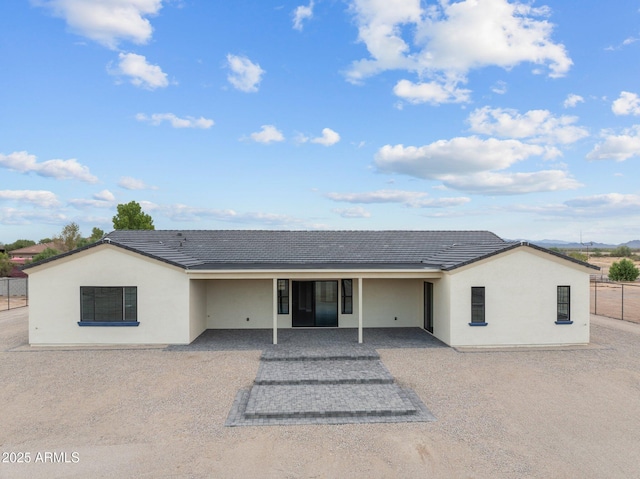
157 413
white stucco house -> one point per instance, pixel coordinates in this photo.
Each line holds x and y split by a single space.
467 288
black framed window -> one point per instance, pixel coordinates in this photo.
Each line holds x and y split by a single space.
564 304
477 306
347 296
108 304
283 296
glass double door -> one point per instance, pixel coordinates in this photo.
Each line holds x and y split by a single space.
315 304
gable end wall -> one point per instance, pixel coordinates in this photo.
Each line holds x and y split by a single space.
521 301
54 306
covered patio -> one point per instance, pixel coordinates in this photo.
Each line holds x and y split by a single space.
261 339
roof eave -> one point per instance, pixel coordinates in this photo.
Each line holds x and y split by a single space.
103 241
519 245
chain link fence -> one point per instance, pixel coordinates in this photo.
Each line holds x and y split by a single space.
616 300
14 293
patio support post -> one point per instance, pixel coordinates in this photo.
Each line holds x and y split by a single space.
360 310
275 311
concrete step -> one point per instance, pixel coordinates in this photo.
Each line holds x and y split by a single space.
327 400
333 371
326 352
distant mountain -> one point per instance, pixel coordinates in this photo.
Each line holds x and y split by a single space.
568 245
633 244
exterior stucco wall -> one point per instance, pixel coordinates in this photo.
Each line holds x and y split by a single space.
520 301
231 302
54 303
197 308
442 310
391 303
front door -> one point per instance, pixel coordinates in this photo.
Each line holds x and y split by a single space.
314 304
428 306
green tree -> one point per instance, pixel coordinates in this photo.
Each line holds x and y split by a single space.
621 252
47 253
623 270
6 266
96 235
21 243
45 240
69 238
131 217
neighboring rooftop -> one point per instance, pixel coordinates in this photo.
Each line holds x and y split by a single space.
30 251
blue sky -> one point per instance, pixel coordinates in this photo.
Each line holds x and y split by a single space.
522 118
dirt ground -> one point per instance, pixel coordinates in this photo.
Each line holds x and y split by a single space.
12 302
607 298
605 262
152 413
616 300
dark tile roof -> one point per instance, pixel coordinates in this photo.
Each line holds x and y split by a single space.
266 249
217 249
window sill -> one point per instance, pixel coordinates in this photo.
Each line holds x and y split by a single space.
564 322
108 323
478 324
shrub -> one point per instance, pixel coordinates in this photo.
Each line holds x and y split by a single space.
579 256
621 252
623 270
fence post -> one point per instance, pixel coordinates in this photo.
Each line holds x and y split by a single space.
595 298
8 294
622 302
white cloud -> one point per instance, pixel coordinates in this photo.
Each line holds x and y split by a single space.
627 104
176 122
66 170
626 42
103 199
500 88
357 212
23 162
572 100
20 161
328 138
300 138
473 165
617 147
605 205
302 13
379 28
182 212
140 72
447 40
22 216
537 125
44 199
462 155
430 92
106 21
412 199
129 183
478 33
245 75
268 134
492 183
105 195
